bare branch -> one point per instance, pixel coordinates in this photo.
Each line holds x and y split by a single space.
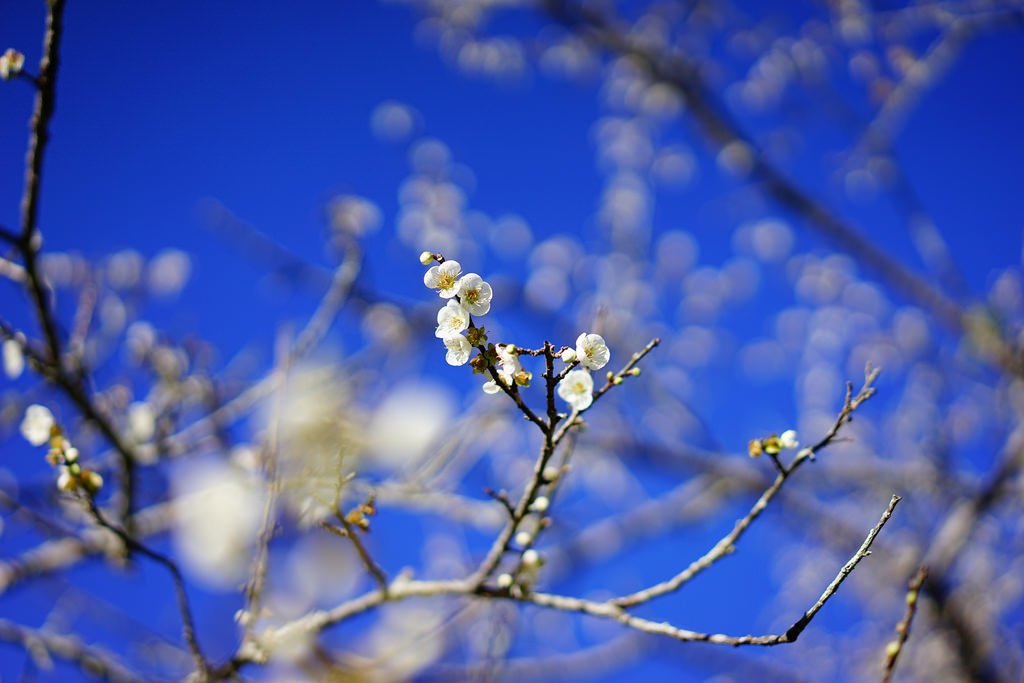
727 543
40 644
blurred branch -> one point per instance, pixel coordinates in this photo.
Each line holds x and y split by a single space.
41 644
187 622
57 555
893 649
678 71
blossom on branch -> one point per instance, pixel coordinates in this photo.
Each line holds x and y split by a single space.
11 64
591 351
459 349
577 389
475 294
508 367
452 320
444 278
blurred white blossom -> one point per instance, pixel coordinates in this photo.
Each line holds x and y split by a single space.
218 513
14 359
37 425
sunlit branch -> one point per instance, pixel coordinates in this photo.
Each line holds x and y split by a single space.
402 589
727 544
611 610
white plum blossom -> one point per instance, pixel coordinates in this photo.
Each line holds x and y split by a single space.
577 389
452 320
141 421
788 439
508 367
11 64
37 425
568 356
14 359
444 278
591 351
475 294
459 349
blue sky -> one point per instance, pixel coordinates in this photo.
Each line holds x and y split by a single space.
265 107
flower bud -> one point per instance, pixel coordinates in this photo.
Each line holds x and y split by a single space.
92 481
523 539
504 580
426 258
540 504
531 559
569 355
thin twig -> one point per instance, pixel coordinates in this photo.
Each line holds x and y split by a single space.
610 610
348 531
727 543
403 589
268 524
893 649
188 628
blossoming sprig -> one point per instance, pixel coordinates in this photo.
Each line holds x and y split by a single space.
576 393
39 427
772 445
12 64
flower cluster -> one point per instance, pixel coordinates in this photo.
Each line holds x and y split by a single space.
39 427
773 445
467 296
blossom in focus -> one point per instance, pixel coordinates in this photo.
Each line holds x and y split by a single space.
11 63
459 349
444 278
577 389
508 367
591 351
37 425
475 294
452 320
